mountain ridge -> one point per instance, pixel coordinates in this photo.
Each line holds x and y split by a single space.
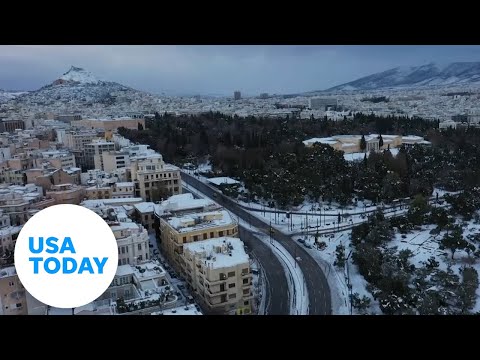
423 76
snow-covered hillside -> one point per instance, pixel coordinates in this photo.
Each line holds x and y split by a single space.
76 74
460 73
79 88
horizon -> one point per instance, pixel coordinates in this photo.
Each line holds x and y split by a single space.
219 70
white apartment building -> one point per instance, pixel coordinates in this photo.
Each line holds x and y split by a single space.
123 190
218 271
132 241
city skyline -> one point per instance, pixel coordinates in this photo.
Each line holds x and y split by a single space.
218 70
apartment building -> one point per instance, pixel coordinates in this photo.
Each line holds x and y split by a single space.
46 178
93 153
113 160
98 192
123 190
66 194
176 231
218 271
144 212
76 140
132 241
13 299
154 180
55 158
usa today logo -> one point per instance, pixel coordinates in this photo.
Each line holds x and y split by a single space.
66 256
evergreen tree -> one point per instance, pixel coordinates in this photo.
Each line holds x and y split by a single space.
340 260
363 143
380 141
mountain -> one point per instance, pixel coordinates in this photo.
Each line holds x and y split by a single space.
79 87
453 74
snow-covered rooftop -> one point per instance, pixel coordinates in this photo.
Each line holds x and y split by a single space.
145 207
223 180
124 184
181 202
203 220
218 253
8 271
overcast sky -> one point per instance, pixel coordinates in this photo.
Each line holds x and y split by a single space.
220 69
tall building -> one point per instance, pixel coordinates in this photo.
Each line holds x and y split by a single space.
93 153
237 95
176 231
218 271
153 178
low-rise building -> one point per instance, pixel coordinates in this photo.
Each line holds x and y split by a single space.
144 212
123 190
66 194
218 271
13 299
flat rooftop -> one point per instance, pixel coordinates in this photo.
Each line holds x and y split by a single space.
218 253
183 224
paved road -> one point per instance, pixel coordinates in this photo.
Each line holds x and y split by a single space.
317 286
277 298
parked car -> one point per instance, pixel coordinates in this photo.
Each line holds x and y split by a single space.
307 245
301 240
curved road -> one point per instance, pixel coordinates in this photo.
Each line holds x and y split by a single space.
277 286
318 290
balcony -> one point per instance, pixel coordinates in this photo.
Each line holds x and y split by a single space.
248 296
215 282
246 275
248 284
218 293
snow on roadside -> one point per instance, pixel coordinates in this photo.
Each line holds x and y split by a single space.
296 282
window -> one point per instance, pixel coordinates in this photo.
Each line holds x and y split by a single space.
124 261
175 181
18 305
146 217
126 248
119 262
123 249
232 296
184 239
245 302
139 246
220 233
232 285
195 237
152 217
205 236
245 281
231 274
169 175
140 258
228 232
245 271
11 283
128 260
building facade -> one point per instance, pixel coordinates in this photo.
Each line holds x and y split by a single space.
218 271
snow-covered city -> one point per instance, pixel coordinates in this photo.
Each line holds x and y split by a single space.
359 199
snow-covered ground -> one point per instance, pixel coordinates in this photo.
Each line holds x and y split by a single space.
361 155
422 244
